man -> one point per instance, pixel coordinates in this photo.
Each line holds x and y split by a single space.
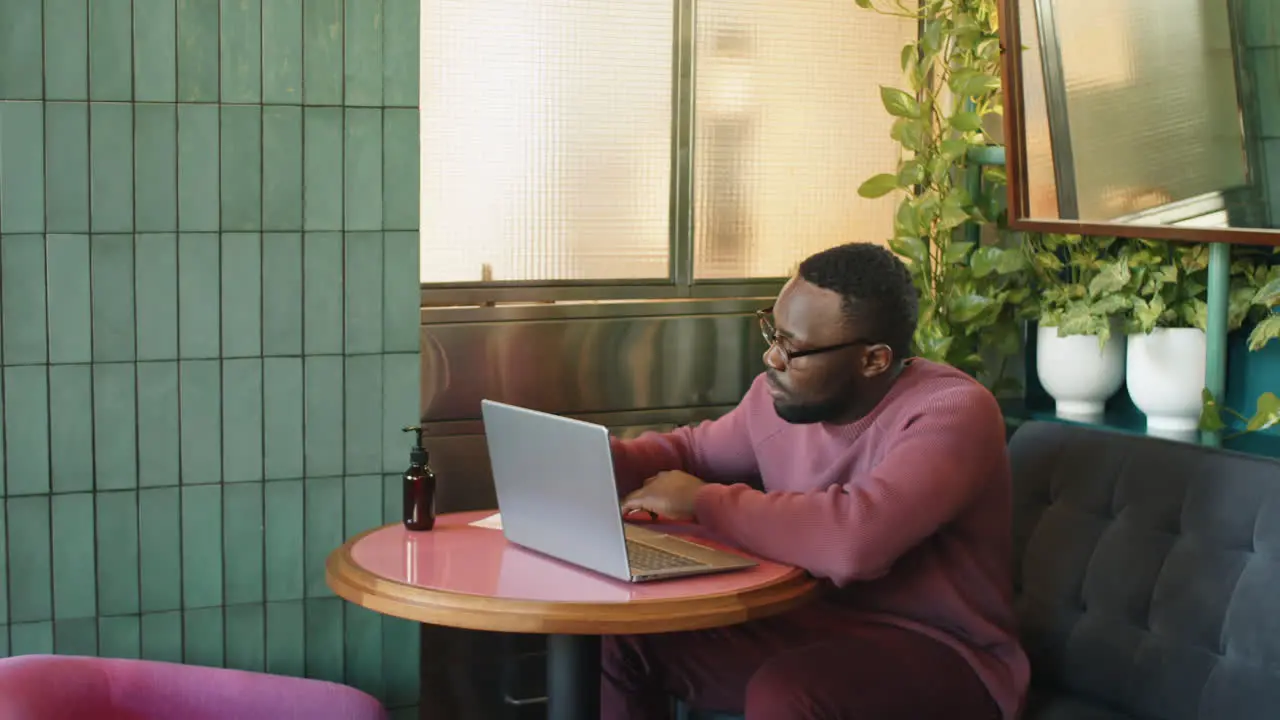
885 477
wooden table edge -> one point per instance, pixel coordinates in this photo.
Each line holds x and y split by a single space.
357 585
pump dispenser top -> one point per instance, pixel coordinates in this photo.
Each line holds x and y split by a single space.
418 455
419 487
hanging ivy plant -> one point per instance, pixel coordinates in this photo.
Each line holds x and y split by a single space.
974 295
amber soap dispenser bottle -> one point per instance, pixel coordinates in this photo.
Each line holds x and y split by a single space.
419 487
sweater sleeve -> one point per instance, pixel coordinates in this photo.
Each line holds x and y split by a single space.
939 461
717 450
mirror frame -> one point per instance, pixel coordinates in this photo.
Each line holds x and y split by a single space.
1019 217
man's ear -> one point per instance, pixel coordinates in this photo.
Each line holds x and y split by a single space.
876 360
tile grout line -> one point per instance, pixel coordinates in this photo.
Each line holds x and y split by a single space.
262 312
178 361
302 248
133 257
222 380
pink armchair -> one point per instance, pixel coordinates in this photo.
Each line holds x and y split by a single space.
54 687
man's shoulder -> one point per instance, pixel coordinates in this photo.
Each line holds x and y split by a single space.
938 389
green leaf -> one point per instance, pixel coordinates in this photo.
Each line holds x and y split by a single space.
1048 261
954 148
1195 314
972 83
878 186
1112 305
910 55
1264 332
1165 274
1269 295
1267 415
912 248
911 173
988 49
1196 257
939 169
953 212
905 222
866 4
970 363
1012 261
966 121
1112 279
985 260
931 40
1210 418
932 345
1147 313
1192 289
964 308
1079 321
1239 304
956 252
899 103
926 207
912 134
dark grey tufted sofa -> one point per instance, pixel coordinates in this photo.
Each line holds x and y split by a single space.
1148 577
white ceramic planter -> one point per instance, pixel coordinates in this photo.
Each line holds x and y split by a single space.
1165 377
1077 374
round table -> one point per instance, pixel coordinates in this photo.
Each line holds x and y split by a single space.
467 576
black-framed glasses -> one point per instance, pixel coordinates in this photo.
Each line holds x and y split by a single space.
770 334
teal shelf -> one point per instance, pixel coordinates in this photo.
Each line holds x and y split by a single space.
1017 413
1119 418
1265 444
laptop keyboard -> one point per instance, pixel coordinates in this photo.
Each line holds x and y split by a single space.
646 558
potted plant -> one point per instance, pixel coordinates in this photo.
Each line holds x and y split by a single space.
974 293
1085 289
1165 367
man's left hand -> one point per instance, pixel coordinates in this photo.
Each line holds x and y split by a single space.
669 494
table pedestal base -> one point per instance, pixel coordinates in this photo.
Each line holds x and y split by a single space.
573 677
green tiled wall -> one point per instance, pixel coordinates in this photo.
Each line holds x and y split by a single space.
208 315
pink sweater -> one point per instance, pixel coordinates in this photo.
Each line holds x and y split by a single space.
905 513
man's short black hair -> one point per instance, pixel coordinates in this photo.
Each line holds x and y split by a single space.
877 290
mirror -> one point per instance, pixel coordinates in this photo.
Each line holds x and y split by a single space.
1155 117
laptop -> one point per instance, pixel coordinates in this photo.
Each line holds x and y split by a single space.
557 496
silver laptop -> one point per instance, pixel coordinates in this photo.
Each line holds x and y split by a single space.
557 496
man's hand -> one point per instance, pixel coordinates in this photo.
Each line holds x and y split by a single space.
669 494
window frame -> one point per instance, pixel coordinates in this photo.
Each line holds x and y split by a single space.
680 281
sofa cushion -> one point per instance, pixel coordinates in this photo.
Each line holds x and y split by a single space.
1148 576
1064 707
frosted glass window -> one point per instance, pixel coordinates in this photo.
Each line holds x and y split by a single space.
1042 184
1151 102
546 139
788 124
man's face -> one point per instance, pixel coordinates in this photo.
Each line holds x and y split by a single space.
825 386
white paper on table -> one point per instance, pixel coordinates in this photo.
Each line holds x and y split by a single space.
493 522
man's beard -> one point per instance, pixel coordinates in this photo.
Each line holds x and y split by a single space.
814 412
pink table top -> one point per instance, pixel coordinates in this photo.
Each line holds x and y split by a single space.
466 569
